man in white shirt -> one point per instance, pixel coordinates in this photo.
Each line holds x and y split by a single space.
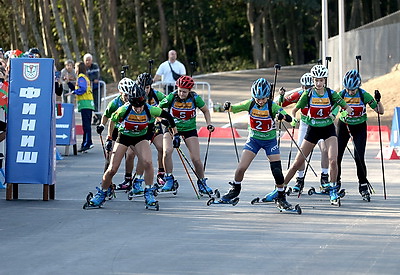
169 71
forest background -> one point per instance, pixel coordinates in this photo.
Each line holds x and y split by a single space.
219 35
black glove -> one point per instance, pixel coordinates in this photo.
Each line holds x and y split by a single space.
165 122
176 141
71 86
227 105
377 96
109 145
280 117
100 129
288 118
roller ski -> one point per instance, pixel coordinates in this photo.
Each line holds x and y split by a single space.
269 198
170 186
137 189
204 189
324 190
149 200
229 198
334 196
297 188
95 201
284 206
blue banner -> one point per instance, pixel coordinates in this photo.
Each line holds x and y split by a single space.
65 125
394 136
30 150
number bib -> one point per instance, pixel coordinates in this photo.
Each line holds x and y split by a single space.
319 112
183 110
136 123
358 111
261 124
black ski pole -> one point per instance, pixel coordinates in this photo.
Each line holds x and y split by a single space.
276 67
208 145
151 62
328 59
193 66
358 58
124 70
298 148
380 144
233 136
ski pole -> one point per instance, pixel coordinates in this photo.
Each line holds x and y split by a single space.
298 148
233 136
328 59
102 146
194 171
291 146
380 144
208 145
358 58
305 171
187 172
151 62
277 67
124 70
193 66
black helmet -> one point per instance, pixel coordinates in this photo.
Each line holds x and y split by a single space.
33 51
137 96
144 80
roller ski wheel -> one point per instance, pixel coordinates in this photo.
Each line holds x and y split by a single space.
296 209
312 191
336 202
233 201
154 206
260 201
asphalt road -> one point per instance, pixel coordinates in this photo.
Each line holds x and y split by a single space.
188 237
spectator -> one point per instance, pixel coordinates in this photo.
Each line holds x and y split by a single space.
169 71
83 90
93 72
68 75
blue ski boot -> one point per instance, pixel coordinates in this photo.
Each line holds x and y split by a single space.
232 193
325 187
270 197
333 194
99 198
298 188
137 187
150 201
203 187
169 183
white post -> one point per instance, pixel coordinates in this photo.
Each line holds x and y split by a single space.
341 37
324 5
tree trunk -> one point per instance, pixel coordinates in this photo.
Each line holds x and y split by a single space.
34 27
163 29
255 32
276 38
89 22
113 41
21 30
60 30
139 25
72 30
81 22
50 46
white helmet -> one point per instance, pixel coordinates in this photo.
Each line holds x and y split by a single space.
126 85
319 71
307 80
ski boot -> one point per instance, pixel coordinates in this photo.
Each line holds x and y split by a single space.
333 194
111 192
324 179
298 188
204 189
126 185
231 197
170 184
363 189
150 201
270 197
324 188
137 189
95 201
284 206
160 179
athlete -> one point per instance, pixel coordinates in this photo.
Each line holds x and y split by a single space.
262 135
306 82
355 126
133 119
320 101
182 105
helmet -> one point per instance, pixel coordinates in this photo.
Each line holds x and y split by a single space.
125 85
185 82
144 80
260 88
319 71
137 96
33 51
352 80
307 80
